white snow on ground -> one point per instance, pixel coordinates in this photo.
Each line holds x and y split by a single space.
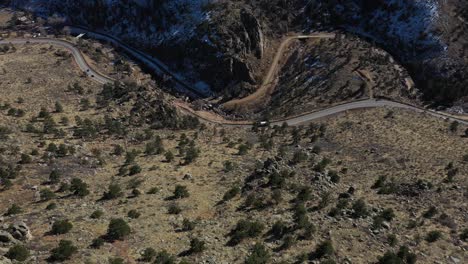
183 17
408 24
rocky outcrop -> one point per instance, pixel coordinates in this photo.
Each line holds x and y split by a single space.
240 70
7 238
15 233
20 231
253 35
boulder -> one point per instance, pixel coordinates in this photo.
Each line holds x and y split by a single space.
7 238
20 231
188 176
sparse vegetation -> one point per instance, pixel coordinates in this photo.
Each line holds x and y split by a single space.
273 194
245 229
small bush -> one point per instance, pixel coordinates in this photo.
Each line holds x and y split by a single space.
97 242
431 212
174 209
118 229
245 229
63 252
13 210
388 214
134 214
181 192
54 177
61 227
148 254
392 240
403 256
324 249
116 261
309 231
191 154
164 258
288 242
136 192
169 156
304 194
25 159
334 177
231 193
97 214
259 255
279 229
18 253
360 209
58 107
47 194
114 191
298 157
135 169
51 206
153 190
454 126
243 149
64 187
464 235
196 246
78 187
433 236
188 225
465 157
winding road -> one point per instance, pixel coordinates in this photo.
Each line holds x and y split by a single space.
297 120
267 86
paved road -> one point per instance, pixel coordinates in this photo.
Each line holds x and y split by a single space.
369 103
267 85
80 60
307 117
153 63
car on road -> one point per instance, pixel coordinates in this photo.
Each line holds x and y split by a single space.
263 123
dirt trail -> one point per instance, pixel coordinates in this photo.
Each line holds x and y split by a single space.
268 85
214 118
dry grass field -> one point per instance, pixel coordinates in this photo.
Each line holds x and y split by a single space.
411 150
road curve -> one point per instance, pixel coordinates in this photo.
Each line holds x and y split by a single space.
292 121
369 103
267 88
151 62
80 60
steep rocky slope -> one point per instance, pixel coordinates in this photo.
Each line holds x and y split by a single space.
227 44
